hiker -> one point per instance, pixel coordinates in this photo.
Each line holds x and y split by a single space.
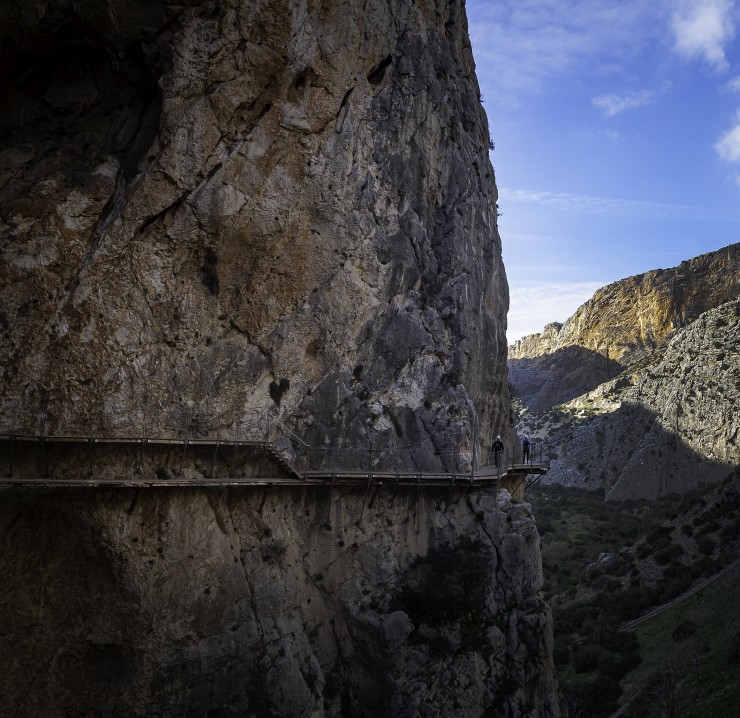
525 449
498 448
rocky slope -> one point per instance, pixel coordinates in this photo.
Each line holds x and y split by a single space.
212 211
174 603
621 324
666 425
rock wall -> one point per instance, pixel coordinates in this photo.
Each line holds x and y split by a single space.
214 211
621 324
667 425
232 603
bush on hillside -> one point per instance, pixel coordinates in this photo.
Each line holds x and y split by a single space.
586 659
705 545
592 697
684 630
644 550
667 554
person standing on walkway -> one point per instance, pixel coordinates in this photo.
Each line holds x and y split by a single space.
498 450
525 449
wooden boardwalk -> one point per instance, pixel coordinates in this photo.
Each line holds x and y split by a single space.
34 451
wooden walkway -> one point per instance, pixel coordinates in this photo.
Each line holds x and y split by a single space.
13 446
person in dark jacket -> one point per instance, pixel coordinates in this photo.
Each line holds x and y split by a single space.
498 450
525 449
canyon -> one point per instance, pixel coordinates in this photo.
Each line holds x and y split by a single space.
649 408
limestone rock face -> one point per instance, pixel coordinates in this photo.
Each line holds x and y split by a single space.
214 211
668 424
621 324
173 603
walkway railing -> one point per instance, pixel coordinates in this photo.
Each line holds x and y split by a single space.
224 458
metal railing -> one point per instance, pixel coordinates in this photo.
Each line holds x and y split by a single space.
450 456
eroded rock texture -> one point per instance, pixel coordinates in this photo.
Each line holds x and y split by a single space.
623 323
212 211
667 425
190 603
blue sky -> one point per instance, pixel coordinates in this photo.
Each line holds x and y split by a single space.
617 133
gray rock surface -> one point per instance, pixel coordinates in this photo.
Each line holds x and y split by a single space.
621 325
213 211
173 603
667 425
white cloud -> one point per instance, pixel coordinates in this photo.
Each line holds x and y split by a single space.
703 28
520 45
728 147
732 85
612 105
616 207
533 306
613 135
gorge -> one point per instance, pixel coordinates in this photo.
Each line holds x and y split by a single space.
638 391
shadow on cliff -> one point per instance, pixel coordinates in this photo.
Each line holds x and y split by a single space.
545 381
72 652
90 81
632 454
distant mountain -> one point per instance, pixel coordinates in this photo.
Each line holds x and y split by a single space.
643 400
623 323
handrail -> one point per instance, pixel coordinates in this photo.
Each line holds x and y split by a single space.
138 440
285 428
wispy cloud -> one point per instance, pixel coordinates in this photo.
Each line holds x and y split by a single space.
703 28
728 147
613 135
584 204
612 105
533 306
523 44
732 85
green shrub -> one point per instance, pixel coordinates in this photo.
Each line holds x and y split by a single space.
660 542
734 654
671 586
581 613
606 583
628 603
561 653
586 659
710 526
667 554
644 550
592 697
705 545
684 630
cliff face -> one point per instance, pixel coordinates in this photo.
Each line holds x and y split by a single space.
621 324
172 603
212 211
666 425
